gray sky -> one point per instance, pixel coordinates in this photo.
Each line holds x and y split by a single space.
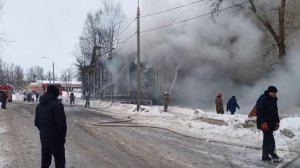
46 28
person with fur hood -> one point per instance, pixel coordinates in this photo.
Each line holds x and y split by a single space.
219 104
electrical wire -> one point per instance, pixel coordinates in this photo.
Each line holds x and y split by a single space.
121 32
178 7
123 42
196 17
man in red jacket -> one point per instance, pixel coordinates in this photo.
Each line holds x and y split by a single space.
268 122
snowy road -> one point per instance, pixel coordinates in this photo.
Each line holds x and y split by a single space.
295 164
90 146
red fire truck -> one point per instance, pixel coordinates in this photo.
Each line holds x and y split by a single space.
9 89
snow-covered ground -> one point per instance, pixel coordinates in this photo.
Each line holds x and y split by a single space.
233 129
3 129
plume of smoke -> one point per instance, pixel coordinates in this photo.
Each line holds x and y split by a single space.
214 56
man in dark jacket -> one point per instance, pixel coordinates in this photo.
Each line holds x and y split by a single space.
1 95
87 100
4 99
72 98
268 121
50 119
232 105
166 101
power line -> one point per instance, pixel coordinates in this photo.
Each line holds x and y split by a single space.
171 9
127 27
206 14
123 42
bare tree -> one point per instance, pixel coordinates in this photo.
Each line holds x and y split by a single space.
35 73
49 76
101 30
2 79
8 71
276 29
67 76
279 24
13 75
18 79
39 72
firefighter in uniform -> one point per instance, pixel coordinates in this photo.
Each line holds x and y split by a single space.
166 101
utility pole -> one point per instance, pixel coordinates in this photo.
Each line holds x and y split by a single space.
53 72
138 70
52 68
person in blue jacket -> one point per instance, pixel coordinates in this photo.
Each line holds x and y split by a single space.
232 105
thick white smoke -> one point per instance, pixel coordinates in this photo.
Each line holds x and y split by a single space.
213 56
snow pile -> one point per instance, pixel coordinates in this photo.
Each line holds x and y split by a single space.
237 118
130 109
292 123
14 97
290 127
17 97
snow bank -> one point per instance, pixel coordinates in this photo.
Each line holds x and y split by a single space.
17 97
291 123
206 125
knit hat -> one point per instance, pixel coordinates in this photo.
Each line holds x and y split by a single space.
52 89
272 89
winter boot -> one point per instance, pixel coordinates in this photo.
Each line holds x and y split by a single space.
275 158
266 158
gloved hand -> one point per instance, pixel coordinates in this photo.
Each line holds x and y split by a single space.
277 126
264 126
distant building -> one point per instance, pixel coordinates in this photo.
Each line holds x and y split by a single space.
118 82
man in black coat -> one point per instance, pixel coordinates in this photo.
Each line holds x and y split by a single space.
4 99
50 119
232 105
268 121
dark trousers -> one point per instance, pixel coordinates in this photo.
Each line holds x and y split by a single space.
87 103
58 152
166 107
3 104
268 143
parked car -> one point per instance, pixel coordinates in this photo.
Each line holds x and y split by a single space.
28 96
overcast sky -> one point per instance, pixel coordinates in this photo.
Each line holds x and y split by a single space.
46 28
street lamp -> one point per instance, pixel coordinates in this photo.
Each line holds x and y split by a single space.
52 67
